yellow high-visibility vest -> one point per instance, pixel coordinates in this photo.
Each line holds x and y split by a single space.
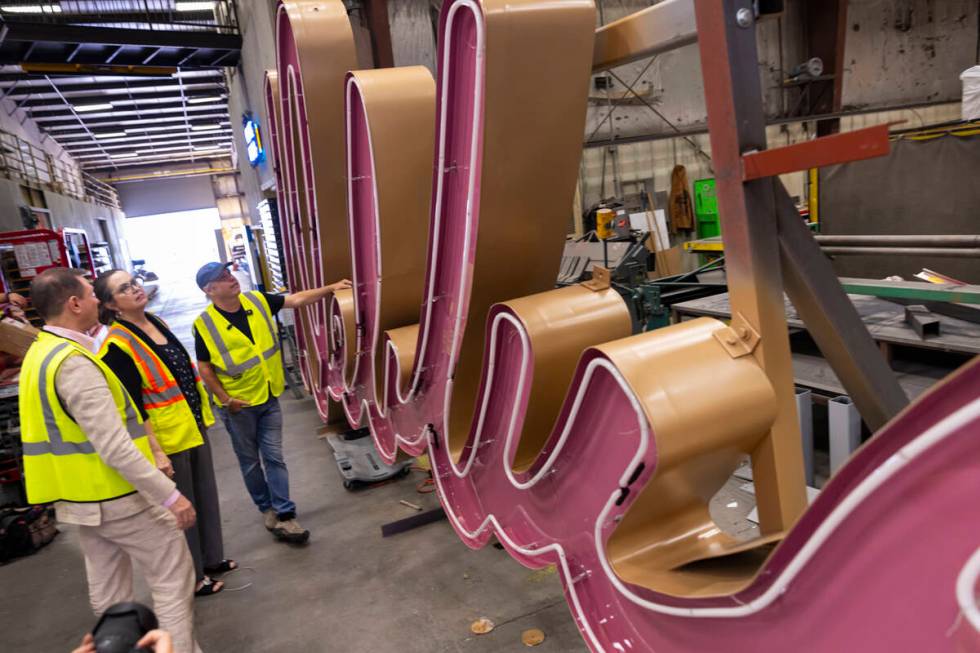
59 461
247 370
173 421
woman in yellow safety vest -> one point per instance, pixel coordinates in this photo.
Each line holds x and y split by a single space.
159 374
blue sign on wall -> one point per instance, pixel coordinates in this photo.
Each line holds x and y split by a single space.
253 140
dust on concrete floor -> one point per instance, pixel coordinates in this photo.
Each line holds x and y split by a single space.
347 590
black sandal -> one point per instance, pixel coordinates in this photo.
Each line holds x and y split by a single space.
209 587
222 567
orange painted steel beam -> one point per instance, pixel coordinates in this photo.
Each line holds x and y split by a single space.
737 124
856 145
665 26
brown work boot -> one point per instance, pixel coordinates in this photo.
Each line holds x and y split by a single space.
271 519
290 531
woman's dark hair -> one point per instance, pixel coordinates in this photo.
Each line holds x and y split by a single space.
104 293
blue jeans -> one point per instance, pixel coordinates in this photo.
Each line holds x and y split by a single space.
257 431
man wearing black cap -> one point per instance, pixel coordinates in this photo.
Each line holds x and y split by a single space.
239 358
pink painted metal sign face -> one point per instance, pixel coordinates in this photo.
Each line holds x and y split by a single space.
273 109
296 173
883 560
309 142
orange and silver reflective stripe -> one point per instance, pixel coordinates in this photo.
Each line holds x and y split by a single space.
139 351
162 399
165 392
144 357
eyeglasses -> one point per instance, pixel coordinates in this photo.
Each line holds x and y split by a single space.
129 287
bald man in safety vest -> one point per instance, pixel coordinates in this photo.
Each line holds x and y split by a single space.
238 354
86 449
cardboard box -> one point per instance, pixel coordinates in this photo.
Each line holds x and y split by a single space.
16 337
668 262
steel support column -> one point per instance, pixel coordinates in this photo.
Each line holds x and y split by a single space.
832 320
733 96
376 13
826 35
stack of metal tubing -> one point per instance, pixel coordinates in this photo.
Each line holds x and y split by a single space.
949 246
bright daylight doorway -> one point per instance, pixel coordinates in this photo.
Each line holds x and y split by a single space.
174 246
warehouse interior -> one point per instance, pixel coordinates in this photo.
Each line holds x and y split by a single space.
703 279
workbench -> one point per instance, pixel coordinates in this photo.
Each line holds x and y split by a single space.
886 323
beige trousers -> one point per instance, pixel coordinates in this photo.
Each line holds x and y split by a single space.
152 540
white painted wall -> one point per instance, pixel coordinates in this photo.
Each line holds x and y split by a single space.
69 212
64 211
10 199
887 62
17 122
903 51
413 40
154 196
246 93
655 159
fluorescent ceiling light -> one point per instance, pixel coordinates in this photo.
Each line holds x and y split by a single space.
178 128
110 135
154 148
168 148
127 155
202 100
82 108
207 128
159 122
158 113
31 9
194 6
170 155
167 151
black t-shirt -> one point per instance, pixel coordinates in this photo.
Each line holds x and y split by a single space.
173 355
238 319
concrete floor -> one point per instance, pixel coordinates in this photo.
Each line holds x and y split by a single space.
347 590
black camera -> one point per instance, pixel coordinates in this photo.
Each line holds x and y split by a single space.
121 626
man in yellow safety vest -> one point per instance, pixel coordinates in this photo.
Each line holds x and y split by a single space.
85 448
238 354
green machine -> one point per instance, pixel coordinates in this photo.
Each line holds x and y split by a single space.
706 212
706 208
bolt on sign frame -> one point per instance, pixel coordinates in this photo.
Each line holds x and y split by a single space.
610 480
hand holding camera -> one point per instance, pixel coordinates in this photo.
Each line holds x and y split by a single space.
127 628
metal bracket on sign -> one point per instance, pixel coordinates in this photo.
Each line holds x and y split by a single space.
601 279
739 338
